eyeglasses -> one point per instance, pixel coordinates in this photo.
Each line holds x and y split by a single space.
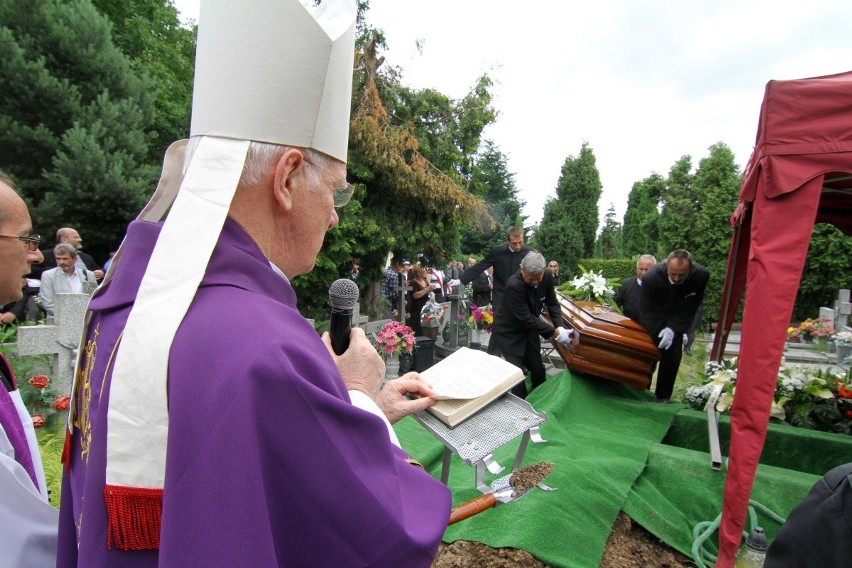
343 194
32 241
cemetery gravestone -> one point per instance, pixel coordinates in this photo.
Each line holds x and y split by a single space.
61 339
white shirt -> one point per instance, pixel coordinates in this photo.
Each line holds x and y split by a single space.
29 524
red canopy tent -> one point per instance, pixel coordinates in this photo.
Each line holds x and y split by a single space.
799 174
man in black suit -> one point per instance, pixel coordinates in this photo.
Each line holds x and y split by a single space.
671 293
627 295
506 259
519 327
84 261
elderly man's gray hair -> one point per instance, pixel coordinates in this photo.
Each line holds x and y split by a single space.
65 248
650 257
533 263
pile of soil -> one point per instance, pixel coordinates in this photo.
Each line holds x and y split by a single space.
628 546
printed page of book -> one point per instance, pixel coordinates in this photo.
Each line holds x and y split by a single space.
467 374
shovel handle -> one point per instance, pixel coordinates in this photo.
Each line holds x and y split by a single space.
472 507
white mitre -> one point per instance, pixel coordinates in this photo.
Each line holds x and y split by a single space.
271 71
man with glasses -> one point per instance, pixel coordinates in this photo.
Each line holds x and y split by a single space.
211 425
28 521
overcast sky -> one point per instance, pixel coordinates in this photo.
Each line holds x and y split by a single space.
643 82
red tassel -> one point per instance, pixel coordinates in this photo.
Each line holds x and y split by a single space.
66 451
134 515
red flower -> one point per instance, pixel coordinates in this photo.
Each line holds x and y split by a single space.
62 402
39 381
845 391
38 420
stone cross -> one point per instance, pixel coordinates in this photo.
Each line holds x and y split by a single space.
843 309
60 339
402 289
458 337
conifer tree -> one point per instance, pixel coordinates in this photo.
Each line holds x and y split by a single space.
716 185
569 223
640 230
679 209
77 121
611 234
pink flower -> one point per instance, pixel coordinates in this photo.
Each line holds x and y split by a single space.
395 338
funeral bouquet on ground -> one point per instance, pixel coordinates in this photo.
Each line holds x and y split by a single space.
806 398
593 287
481 318
395 338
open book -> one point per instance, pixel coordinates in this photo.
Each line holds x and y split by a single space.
468 380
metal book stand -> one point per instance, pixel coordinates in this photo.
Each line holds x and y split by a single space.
475 439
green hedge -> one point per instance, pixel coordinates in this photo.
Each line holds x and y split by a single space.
618 268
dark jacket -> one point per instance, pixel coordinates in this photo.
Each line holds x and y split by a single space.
627 296
665 305
519 323
481 290
505 262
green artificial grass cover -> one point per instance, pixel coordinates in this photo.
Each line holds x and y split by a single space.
614 449
598 436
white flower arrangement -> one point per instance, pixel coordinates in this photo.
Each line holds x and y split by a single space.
843 338
592 286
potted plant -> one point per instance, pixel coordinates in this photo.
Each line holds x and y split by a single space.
393 340
481 320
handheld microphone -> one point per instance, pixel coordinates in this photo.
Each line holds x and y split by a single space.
343 295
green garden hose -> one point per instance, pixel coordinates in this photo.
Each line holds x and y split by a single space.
705 529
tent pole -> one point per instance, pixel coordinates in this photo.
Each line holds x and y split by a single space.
722 328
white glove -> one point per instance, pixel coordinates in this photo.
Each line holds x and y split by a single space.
685 339
667 336
566 336
454 282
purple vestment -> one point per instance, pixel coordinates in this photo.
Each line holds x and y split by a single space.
10 421
268 463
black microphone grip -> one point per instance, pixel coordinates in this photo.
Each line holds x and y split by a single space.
343 296
339 328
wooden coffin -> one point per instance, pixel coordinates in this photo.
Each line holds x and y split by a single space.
611 346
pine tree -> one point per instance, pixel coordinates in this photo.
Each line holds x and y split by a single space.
492 180
77 107
611 234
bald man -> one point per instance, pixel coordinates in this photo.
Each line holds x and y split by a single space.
83 261
29 522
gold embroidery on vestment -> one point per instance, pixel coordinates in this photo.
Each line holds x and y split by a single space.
82 417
